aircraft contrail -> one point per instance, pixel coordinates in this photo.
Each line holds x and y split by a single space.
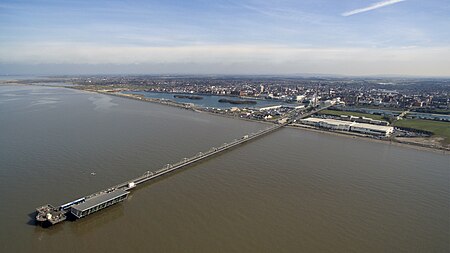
371 7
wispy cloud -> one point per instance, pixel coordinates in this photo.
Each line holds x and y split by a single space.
371 7
273 10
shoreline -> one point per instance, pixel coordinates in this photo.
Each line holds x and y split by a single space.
395 142
350 135
169 103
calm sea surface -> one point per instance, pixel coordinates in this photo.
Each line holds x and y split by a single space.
208 101
291 191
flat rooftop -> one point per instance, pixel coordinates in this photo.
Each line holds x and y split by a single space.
350 123
99 199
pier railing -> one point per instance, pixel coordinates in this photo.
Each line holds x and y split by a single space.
148 175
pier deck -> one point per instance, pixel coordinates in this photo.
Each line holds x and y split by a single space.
98 202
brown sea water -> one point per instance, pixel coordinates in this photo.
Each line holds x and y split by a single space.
291 191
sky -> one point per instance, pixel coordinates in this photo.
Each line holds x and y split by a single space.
341 37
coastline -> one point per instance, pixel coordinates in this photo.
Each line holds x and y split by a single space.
414 145
169 103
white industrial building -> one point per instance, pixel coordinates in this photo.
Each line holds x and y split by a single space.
342 125
357 119
273 107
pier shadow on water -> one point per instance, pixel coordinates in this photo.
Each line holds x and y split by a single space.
32 219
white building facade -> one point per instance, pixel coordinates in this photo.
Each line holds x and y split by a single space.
342 125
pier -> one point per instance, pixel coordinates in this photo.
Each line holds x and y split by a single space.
79 208
50 215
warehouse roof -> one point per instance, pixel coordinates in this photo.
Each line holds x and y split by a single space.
349 123
99 199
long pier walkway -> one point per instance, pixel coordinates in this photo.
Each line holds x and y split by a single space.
84 206
200 156
50 215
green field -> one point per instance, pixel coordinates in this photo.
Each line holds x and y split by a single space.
435 111
356 114
438 128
